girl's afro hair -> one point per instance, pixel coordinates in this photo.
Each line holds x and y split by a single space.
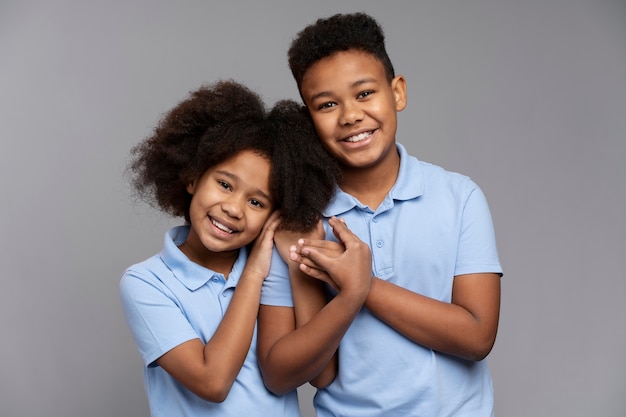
214 123
308 173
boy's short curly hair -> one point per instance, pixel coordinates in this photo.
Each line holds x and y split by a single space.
219 121
213 124
340 32
308 172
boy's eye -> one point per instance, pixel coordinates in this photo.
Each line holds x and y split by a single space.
364 94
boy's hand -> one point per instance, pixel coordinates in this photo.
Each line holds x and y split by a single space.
346 265
260 257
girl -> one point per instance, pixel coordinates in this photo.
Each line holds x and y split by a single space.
225 166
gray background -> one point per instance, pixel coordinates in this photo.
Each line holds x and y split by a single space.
526 97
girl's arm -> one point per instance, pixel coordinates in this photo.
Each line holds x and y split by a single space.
298 345
209 370
466 327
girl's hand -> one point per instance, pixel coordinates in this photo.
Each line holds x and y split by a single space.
260 257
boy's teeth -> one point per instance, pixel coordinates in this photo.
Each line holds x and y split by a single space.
358 137
221 226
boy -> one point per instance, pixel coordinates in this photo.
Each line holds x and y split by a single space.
411 318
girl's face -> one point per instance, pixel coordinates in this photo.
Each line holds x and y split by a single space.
229 206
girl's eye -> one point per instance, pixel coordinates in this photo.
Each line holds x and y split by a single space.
326 105
256 203
224 185
364 94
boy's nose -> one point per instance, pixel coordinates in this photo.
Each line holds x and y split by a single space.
351 114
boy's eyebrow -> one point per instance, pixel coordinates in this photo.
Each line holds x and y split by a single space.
236 178
355 84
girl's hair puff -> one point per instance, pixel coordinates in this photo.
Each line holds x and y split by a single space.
307 174
213 124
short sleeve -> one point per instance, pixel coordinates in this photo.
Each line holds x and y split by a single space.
277 287
477 251
155 320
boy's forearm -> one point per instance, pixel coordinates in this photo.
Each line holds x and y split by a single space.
456 329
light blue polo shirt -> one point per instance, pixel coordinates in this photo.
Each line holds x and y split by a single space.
433 225
168 300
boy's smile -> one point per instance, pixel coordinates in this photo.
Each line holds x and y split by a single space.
354 107
229 206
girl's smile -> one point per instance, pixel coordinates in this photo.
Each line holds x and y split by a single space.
229 206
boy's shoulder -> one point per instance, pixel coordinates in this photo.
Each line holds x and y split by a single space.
429 171
439 171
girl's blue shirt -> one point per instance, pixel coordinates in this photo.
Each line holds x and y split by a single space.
169 300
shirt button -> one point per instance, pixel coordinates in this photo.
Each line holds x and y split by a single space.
379 243
375 219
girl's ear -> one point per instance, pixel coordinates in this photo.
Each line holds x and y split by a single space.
191 187
398 86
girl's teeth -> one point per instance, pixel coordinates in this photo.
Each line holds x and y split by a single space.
221 226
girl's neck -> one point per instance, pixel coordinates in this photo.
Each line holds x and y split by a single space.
221 262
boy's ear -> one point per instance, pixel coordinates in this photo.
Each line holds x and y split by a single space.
398 86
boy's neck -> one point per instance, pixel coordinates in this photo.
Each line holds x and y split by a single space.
370 185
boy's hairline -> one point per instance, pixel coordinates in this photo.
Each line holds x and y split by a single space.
389 77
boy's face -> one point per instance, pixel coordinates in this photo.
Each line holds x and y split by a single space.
230 204
354 107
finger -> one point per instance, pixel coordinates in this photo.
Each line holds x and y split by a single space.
273 221
319 230
314 257
330 249
319 275
341 231
319 244
297 258
267 232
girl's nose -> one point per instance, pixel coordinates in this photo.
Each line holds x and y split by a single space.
232 207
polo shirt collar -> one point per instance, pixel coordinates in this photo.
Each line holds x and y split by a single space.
409 185
190 274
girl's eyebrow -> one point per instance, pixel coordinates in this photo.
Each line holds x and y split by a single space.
235 178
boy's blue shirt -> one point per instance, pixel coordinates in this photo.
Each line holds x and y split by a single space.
169 300
432 226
